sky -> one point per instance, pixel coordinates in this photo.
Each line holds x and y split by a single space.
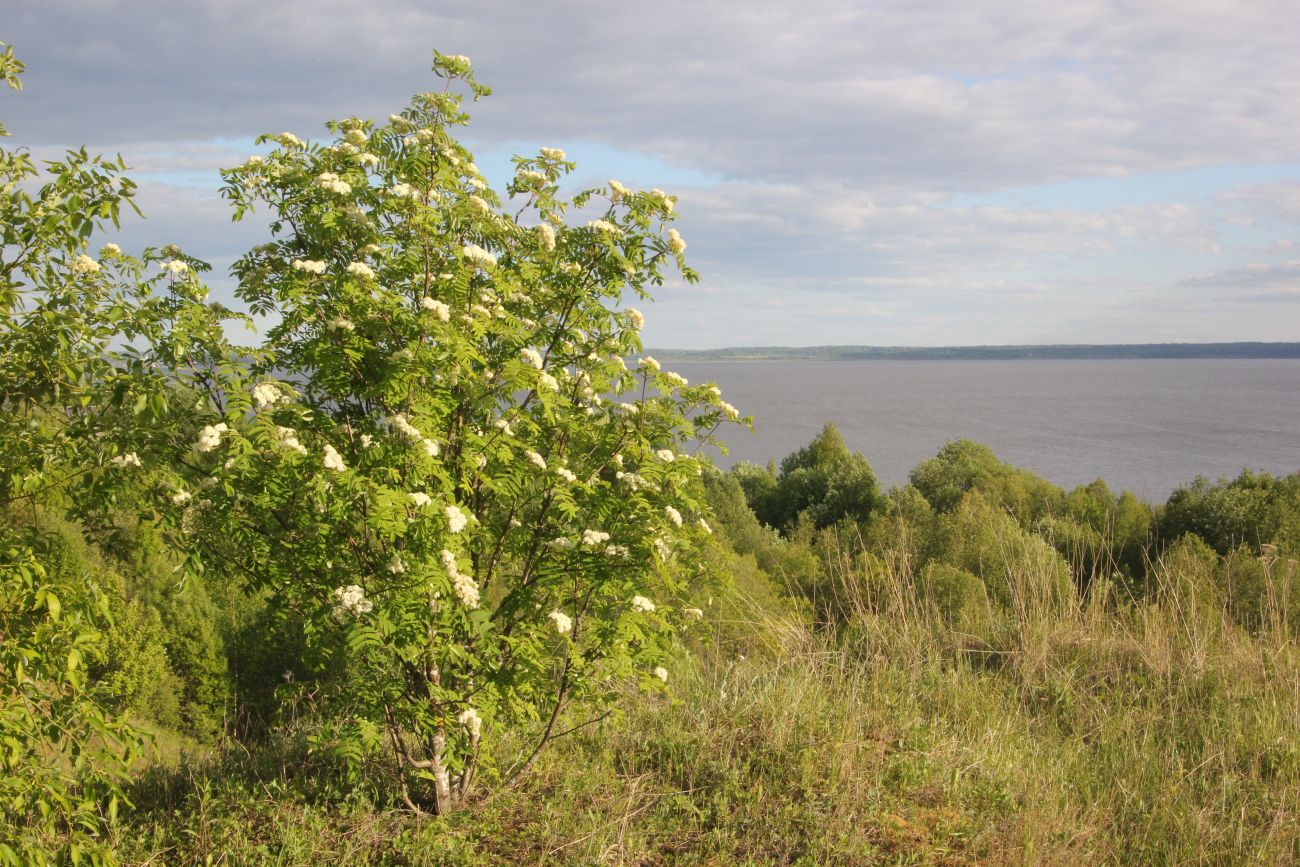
885 173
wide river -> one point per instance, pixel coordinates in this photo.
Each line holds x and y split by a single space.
1147 426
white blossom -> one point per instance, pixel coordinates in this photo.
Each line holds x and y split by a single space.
338 323
547 381
547 234
355 136
617 192
693 613
181 497
635 318
594 538
532 178
404 427
266 394
664 201
367 441
395 564
437 308
675 380
456 519
604 226
666 455
563 622
405 191
535 458
616 551
673 515
469 717
477 254
566 474
430 447
351 600
210 436
675 242
130 459
729 411
332 182
649 362
553 154
640 603
362 270
109 250
83 264
420 499
661 673
175 267
311 266
480 204
333 460
288 438
531 356
704 525
367 159
289 140
561 543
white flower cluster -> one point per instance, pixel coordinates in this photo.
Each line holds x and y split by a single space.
547 234
535 458
338 323
704 525
566 474
311 266
469 717
617 192
333 460
649 362
83 264
404 427
395 565
355 136
674 380
289 140
464 586
640 603
480 204
181 497
545 380
210 436
351 600
332 182
130 459
693 613
368 160
405 191
420 499
661 673
266 394
532 356
440 310
563 622
553 154
109 250
532 178
560 544
288 438
362 270
635 318
175 267
477 254
604 226
675 242
664 201
673 515
620 551
594 538
456 519
666 455
632 480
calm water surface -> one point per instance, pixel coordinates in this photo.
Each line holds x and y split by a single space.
1146 426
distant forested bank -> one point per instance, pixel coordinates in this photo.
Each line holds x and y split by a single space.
985 353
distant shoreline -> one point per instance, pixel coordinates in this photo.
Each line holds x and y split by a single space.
986 353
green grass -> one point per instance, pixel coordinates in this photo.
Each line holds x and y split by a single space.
1148 735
